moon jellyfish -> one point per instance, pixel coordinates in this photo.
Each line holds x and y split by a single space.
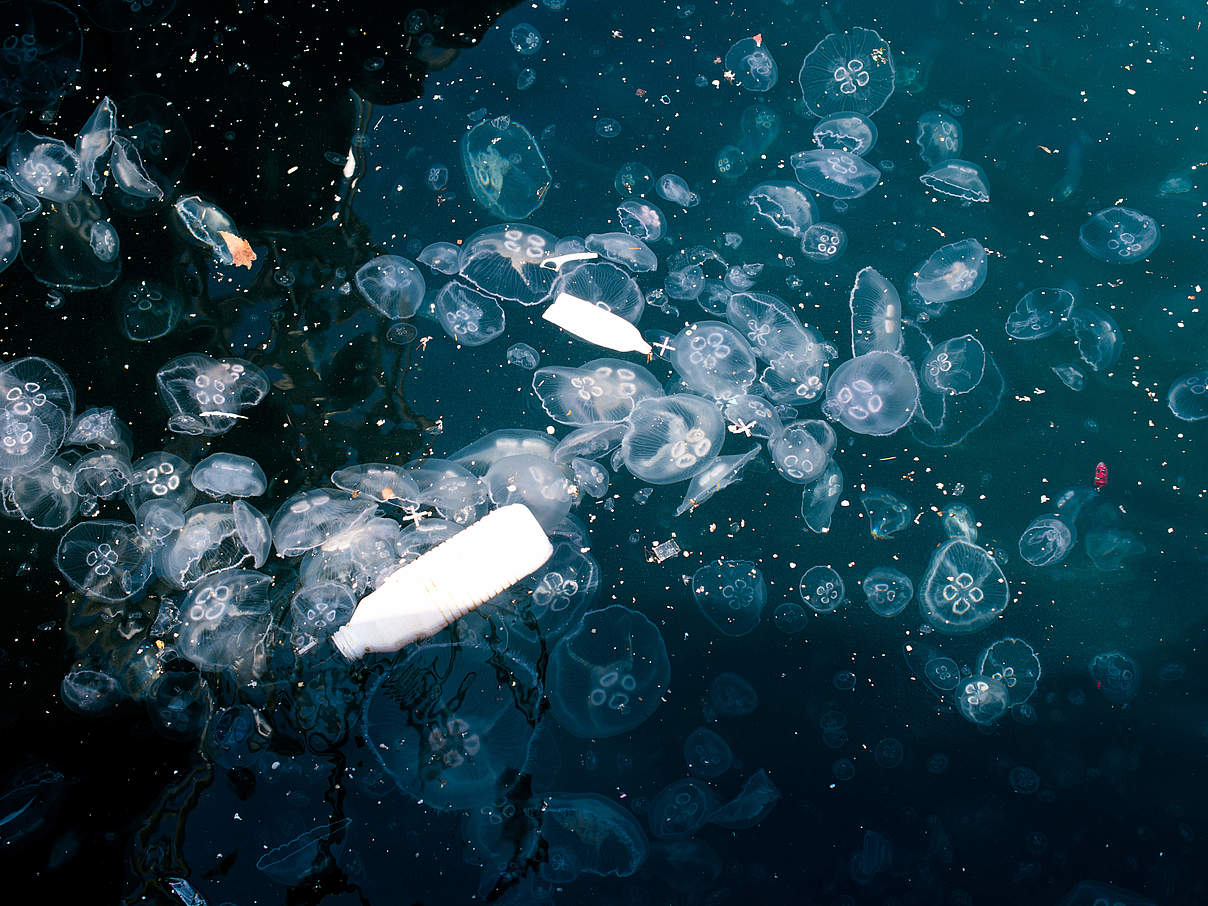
1046 541
641 219
1014 663
623 249
147 310
103 239
875 393
834 173
378 480
229 475
731 595
46 497
955 366
850 132
1108 549
60 252
958 179
225 619
160 476
505 261
469 317
105 560
1188 396
942 672
752 66
823 242
672 187
607 127
606 286
452 724
785 206
818 500
685 284
887 513
317 611
1098 336
802 449
678 810
304 856
309 518
441 257
534 481
45 167
1117 676
607 676
207 223
753 803
89 692
213 537
101 475
953 272
707 754
206 396
822 589
887 590
720 474
10 236
939 137
964 589
1120 235
876 314
526 40
603 390
732 696
451 489
393 285
713 358
505 168
730 162
585 833
848 71
981 699
633 178
1040 313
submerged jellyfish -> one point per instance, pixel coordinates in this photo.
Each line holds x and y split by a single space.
585 833
834 173
801 449
790 618
822 589
1120 235
1098 336
823 242
505 168
714 358
606 286
1117 676
851 70
229 475
147 310
731 595
106 560
505 261
393 285
939 137
720 474
45 167
309 518
607 676
10 236
1014 663
1046 541
534 481
623 249
603 390
732 696
888 591
304 856
752 65
875 393
887 513
785 206
753 803
955 366
818 500
634 178
225 618
707 754
672 187
679 809
206 396
469 317
955 271
441 257
1188 396
958 179
963 590
1040 313
641 219
850 132
876 314
982 699
213 537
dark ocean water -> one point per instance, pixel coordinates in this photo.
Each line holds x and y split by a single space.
1069 109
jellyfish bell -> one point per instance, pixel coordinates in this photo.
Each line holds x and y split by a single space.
960 179
505 168
848 71
834 173
875 393
505 261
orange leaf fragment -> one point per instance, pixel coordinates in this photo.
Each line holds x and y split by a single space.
240 249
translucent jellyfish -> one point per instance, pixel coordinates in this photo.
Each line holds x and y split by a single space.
732 696
848 71
1117 676
46 167
160 476
955 366
229 475
875 393
685 284
945 420
522 355
1046 541
721 473
955 271
392 285
89 691
526 40
603 390
678 810
942 672
585 833
1109 549
939 137
958 179
309 518
641 219
802 450
753 803
10 236
875 854
317 611
105 560
450 488
1014 663
1040 313
785 206
206 222
590 442
790 618
526 79
608 675
963 590
46 497
730 163
713 358
623 249
505 168
834 173
608 127
1098 335
147 310
505 261
468 316
769 325
452 724
887 590
534 481
103 239
823 242
1188 396
441 257
752 65
958 521
731 595
672 187
101 475
876 314
850 132
634 178
818 500
224 619
887 513
707 754
672 438
1120 236
438 178
822 589
364 555
559 591
206 396
981 699
752 416
102 429
480 455
605 285
211 539
129 173
305 856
